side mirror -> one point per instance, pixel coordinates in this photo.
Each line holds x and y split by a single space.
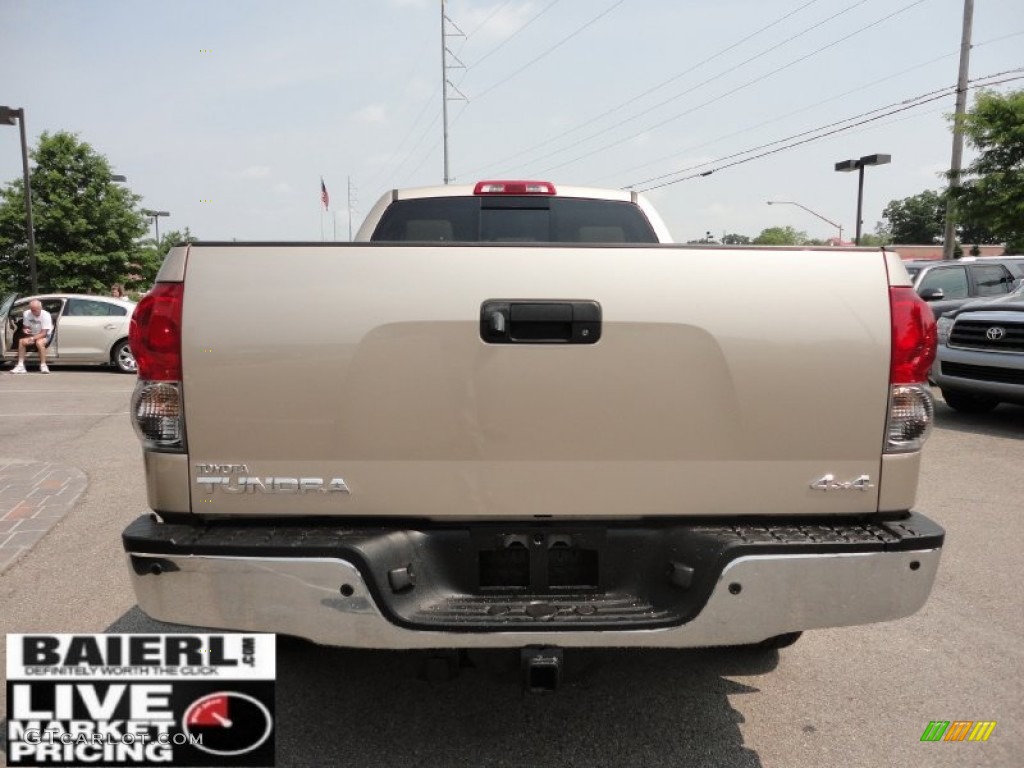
933 294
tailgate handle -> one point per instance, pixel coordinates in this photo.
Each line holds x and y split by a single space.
540 321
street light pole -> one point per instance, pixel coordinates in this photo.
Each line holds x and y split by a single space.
846 166
813 213
156 222
7 115
860 201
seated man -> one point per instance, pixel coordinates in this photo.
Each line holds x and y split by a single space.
38 325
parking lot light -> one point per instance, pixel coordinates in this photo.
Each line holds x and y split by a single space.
156 221
7 117
845 166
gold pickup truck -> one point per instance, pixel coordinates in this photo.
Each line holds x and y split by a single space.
514 415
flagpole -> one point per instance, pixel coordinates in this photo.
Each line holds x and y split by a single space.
323 206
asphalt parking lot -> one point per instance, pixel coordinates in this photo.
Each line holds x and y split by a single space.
859 696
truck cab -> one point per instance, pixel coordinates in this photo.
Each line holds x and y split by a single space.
513 211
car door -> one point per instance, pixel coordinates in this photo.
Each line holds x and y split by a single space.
952 281
87 329
990 280
7 326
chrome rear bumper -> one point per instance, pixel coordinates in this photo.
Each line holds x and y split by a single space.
327 601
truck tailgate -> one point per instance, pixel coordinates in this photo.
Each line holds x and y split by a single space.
725 382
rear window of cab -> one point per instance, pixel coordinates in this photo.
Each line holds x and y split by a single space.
513 219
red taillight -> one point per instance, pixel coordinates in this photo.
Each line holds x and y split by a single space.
913 337
155 333
514 188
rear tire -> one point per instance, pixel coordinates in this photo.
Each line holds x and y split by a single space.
968 403
122 357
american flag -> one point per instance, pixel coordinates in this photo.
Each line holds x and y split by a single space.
324 197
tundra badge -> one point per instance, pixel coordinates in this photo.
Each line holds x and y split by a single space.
235 478
273 484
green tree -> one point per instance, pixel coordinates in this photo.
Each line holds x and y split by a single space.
86 226
916 220
879 238
780 236
734 239
992 193
144 266
973 233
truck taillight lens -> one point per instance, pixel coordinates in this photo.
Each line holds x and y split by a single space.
157 415
155 333
913 337
911 410
155 338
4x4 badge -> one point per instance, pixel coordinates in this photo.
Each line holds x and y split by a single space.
829 483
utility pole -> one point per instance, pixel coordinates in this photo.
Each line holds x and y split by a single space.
949 238
445 83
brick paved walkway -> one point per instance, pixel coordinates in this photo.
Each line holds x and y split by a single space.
34 497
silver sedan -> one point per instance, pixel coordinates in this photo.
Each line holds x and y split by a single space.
87 329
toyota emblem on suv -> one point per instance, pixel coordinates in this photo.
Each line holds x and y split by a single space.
995 333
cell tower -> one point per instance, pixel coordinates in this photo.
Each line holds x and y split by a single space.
447 56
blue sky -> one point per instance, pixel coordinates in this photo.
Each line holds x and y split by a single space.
227 113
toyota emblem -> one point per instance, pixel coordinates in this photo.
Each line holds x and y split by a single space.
995 333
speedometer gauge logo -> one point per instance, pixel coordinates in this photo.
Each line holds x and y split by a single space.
228 723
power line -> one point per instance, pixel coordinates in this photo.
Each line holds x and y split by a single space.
538 57
776 119
998 39
672 79
658 87
446 53
916 102
423 159
701 84
792 113
939 92
813 134
398 150
419 141
490 16
557 45
415 122
508 39
744 86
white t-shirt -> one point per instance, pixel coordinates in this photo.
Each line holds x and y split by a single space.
36 324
